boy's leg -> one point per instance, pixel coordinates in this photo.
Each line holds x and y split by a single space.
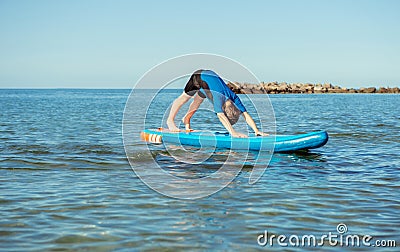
176 105
194 106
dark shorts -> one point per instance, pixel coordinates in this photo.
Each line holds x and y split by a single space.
195 83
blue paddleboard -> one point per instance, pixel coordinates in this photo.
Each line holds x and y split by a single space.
281 143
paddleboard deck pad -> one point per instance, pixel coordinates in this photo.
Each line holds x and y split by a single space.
198 138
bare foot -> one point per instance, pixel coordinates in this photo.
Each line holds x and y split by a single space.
186 121
187 127
172 127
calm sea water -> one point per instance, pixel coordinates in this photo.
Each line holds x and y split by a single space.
66 184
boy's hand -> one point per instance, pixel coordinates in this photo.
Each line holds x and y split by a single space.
259 133
238 134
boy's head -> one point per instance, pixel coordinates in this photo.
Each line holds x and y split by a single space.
231 111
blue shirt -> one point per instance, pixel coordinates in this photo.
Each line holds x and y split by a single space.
220 91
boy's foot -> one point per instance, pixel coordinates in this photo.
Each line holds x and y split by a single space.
187 123
172 127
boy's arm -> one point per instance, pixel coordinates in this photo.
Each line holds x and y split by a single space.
224 120
252 124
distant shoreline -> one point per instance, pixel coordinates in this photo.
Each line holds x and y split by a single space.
304 88
262 88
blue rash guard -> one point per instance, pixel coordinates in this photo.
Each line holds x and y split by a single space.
208 84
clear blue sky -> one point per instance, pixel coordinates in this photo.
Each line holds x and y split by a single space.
110 44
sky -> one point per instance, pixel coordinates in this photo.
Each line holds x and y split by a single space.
111 44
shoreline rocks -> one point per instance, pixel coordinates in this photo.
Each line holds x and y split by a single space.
304 88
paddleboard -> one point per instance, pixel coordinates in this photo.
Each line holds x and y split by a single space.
198 138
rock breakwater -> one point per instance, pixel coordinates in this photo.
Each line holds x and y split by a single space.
303 88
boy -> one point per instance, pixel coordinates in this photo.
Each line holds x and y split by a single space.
227 105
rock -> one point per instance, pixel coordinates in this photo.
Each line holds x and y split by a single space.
368 90
272 88
235 87
382 90
303 89
333 90
294 88
246 91
282 88
257 91
306 88
319 89
265 85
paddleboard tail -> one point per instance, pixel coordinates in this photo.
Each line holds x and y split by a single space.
151 138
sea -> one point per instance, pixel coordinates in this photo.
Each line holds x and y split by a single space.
66 183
